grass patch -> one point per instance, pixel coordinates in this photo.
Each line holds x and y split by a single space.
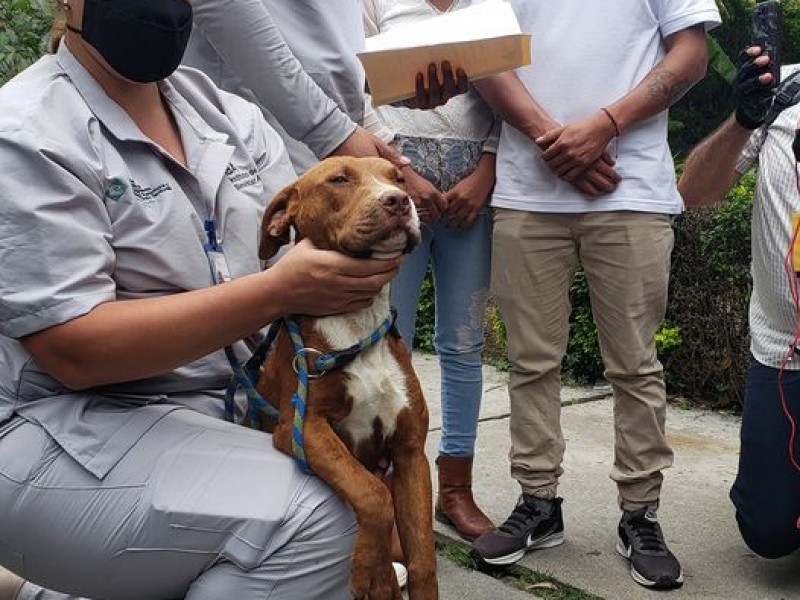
539 585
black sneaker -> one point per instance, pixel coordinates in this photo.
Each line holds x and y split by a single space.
534 523
642 542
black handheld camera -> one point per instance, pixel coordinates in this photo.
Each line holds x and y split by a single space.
766 32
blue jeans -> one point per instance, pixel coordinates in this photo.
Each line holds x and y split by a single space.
460 260
766 492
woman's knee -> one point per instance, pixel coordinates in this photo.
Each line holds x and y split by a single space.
309 557
461 349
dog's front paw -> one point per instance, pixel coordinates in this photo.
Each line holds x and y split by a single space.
381 586
373 578
359 584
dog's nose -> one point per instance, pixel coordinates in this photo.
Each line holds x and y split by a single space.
396 202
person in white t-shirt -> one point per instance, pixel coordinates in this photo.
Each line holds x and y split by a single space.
766 492
585 176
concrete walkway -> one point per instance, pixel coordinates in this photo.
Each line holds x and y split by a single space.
695 513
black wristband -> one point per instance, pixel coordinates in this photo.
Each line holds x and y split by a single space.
747 119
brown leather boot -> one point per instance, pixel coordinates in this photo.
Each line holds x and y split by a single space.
455 505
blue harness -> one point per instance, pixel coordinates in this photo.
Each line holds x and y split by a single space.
244 376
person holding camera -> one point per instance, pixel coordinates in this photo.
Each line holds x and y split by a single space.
766 492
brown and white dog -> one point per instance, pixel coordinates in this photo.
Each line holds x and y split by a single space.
371 411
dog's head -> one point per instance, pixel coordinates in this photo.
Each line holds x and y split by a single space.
353 205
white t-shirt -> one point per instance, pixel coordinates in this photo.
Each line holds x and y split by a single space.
586 55
773 315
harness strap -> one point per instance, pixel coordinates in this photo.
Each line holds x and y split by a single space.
323 363
787 94
244 376
299 399
339 358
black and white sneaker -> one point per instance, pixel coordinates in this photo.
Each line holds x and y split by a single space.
641 541
534 523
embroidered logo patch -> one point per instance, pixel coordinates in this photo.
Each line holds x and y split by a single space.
242 176
147 195
116 188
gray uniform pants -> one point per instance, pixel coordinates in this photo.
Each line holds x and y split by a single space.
197 509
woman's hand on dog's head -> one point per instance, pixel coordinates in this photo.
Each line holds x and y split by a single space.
325 282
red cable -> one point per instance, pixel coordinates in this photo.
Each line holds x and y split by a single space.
792 277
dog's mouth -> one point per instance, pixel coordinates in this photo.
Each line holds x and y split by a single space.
385 239
400 241
381 236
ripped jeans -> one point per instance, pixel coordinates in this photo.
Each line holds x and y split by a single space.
460 261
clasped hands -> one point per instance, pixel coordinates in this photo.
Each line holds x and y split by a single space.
458 207
577 153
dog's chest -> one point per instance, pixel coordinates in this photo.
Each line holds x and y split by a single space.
375 381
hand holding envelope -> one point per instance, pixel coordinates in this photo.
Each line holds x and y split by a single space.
479 40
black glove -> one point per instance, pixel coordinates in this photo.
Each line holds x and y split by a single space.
751 97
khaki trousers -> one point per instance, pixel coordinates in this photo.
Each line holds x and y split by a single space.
626 258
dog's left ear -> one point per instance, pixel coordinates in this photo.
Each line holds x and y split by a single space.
276 224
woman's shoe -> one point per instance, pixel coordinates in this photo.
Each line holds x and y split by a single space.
455 505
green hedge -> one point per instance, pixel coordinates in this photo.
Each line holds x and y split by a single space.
709 294
24 26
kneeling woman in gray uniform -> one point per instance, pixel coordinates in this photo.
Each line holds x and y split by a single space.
119 477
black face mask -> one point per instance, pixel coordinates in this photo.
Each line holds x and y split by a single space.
142 40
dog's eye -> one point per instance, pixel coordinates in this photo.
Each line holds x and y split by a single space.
338 179
401 180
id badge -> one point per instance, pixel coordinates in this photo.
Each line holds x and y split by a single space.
218 264
216 257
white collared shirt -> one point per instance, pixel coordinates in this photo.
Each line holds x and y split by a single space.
773 314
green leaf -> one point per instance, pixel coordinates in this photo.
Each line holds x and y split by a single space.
718 60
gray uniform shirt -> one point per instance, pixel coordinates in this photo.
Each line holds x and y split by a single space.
252 48
93 211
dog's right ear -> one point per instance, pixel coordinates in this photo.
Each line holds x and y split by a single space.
276 224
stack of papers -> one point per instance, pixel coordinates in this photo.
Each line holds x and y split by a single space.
481 39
